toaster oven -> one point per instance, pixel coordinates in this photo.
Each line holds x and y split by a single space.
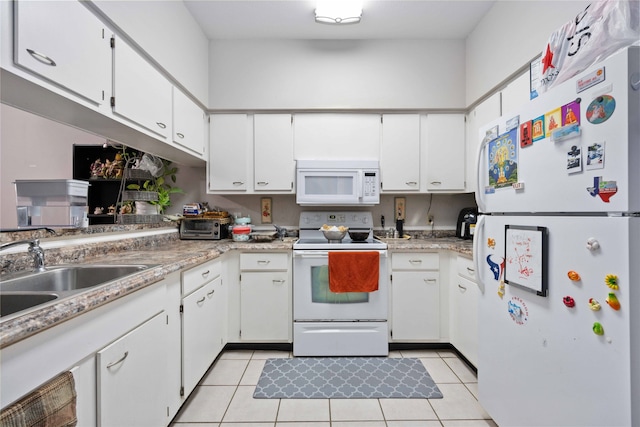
204 228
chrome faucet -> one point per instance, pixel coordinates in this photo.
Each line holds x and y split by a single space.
34 249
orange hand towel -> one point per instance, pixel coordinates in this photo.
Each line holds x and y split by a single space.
354 271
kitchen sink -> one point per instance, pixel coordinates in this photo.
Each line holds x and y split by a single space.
69 278
13 302
31 289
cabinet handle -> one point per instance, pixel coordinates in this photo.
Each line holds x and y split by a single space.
210 294
238 183
411 183
464 288
205 274
263 261
415 261
471 270
278 281
436 182
161 125
430 280
200 301
180 135
41 58
262 183
110 365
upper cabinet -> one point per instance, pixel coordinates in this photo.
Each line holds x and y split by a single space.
443 137
188 123
337 136
229 142
63 42
400 153
273 166
140 93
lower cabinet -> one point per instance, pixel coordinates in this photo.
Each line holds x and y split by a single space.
265 297
131 377
201 342
415 297
464 310
203 321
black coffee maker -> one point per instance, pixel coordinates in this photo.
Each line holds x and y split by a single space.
467 219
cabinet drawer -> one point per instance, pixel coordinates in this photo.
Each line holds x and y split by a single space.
415 261
466 268
264 261
197 276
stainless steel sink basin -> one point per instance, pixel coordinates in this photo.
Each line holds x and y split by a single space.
26 290
69 278
15 302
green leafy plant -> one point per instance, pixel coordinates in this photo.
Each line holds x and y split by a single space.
161 185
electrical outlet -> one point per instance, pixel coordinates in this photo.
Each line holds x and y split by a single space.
430 219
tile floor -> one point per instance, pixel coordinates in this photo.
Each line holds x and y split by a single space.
224 398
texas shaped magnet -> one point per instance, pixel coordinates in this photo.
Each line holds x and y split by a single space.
602 188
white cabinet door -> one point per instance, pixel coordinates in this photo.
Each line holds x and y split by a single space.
65 43
188 123
199 334
445 152
484 113
265 306
400 152
132 388
415 306
229 142
463 314
337 136
273 164
140 93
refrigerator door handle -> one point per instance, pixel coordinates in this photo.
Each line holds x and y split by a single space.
477 238
479 187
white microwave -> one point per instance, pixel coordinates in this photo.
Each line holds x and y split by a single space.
337 182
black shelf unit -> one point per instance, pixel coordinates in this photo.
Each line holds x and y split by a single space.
103 192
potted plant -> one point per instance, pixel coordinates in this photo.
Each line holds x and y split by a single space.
159 185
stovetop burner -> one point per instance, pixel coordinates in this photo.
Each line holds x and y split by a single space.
312 238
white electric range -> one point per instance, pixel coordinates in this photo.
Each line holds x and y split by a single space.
336 324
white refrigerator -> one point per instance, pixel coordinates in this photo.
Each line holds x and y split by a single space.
557 253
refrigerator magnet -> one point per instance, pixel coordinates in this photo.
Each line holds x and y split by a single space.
574 160
552 120
598 329
537 126
613 302
600 109
525 134
518 310
595 156
526 258
604 189
503 160
571 113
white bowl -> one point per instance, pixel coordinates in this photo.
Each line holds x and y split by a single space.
334 234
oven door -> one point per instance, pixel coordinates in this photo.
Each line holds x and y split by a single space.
313 301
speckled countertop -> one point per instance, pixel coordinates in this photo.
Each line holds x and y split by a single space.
169 254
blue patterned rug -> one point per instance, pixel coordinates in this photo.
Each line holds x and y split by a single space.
345 378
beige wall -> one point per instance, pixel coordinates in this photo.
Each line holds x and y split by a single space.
32 147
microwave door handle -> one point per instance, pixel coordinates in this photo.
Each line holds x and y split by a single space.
360 184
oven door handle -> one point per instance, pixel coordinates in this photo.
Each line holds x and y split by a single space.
320 254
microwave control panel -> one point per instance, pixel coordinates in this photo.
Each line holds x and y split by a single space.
370 185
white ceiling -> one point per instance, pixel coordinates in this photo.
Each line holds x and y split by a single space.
381 19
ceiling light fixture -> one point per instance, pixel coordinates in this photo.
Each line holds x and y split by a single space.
338 11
